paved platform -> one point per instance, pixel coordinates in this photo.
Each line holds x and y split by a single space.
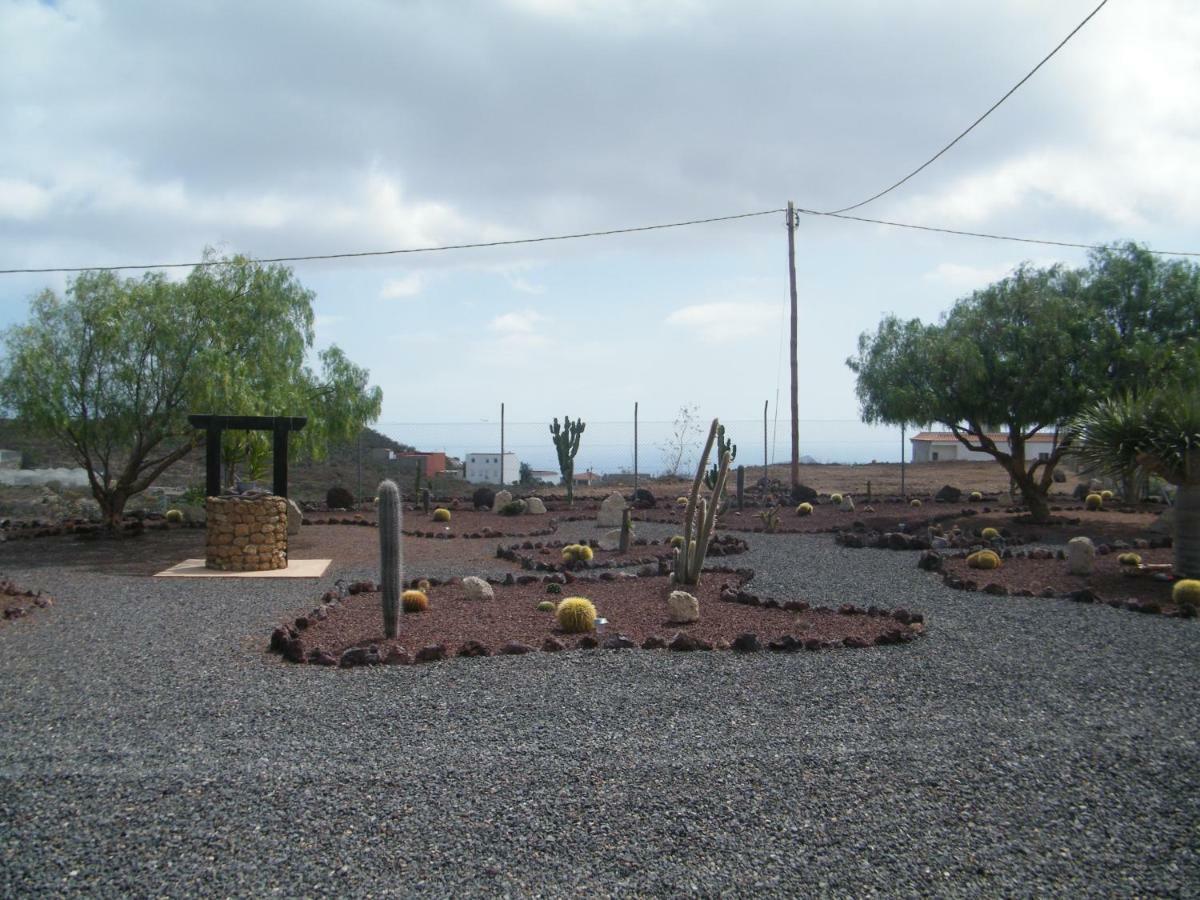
296 568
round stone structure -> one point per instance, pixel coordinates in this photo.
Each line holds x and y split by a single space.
246 533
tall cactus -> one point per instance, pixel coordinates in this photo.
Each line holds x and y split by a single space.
701 514
723 446
391 557
566 442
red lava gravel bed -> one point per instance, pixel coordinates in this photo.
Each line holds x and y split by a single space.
464 523
350 631
1050 578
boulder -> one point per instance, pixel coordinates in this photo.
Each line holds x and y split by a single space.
1081 491
682 607
1165 523
1059 477
482 498
500 499
1081 556
802 493
611 540
746 642
295 517
475 588
611 510
535 507
643 499
948 494
339 498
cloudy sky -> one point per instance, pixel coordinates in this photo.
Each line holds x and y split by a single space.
143 132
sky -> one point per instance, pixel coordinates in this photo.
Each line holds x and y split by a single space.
145 132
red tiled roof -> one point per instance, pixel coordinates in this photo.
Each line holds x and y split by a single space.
998 436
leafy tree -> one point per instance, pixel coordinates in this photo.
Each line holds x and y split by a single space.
1159 433
113 369
526 478
1016 354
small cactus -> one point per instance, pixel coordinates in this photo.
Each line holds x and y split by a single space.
441 514
424 585
174 516
577 553
1106 495
513 508
989 534
914 503
770 519
553 588
835 498
1186 592
984 559
677 540
546 605
414 601
804 509
976 497
681 501
1094 501
1129 559
391 558
576 614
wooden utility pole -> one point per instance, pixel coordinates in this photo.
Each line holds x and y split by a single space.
766 474
502 444
635 439
791 227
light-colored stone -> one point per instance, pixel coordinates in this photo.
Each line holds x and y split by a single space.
610 511
1081 556
847 503
476 588
502 497
294 516
611 540
682 607
535 507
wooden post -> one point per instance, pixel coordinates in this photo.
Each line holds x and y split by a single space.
358 495
279 459
741 486
635 447
501 444
212 461
766 477
791 227
626 528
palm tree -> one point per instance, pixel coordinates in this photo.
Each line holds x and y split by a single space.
1158 433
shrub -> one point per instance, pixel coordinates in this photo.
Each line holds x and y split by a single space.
677 540
804 509
546 605
339 498
174 515
513 508
577 553
553 588
1093 501
441 514
976 497
1186 592
914 503
770 518
989 534
835 498
1129 559
483 497
414 601
1106 495
576 614
984 559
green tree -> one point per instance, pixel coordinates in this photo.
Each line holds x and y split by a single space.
526 478
1159 433
1016 354
113 369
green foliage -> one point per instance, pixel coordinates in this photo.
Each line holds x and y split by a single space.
723 446
441 514
770 519
553 588
113 369
984 559
804 509
391 557
1129 559
576 615
174 516
989 534
575 553
700 516
566 444
677 540
525 478
1186 592
513 508
546 605
1093 501
415 601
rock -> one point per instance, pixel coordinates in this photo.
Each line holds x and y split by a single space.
1165 523
475 588
643 499
535 507
930 561
1081 556
948 494
617 642
611 509
1081 491
611 540
482 498
895 540
785 644
1059 477
685 643
1084 595
360 656
587 642
474 648
682 607
319 657
802 493
294 517
995 588
746 643
397 656
500 499
940 543
431 653
856 642
654 642
553 645
847 504
516 648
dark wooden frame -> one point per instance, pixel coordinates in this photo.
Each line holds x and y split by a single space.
279 426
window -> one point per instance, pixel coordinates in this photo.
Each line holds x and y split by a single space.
934 455
1043 455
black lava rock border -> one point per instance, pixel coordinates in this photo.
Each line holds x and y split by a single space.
721 545
36 599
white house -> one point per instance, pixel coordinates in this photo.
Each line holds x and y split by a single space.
485 468
943 446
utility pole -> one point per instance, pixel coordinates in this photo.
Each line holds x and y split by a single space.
902 494
635 439
501 444
766 475
791 227
359 494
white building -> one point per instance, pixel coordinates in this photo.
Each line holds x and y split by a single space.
485 468
943 446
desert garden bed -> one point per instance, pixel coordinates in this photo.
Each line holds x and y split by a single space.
547 556
464 523
348 630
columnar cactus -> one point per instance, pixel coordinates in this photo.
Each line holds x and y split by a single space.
391 557
566 442
723 446
700 515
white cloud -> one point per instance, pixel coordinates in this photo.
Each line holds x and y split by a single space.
963 277
22 200
725 320
523 321
406 286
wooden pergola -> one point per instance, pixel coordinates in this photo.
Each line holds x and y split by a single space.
279 426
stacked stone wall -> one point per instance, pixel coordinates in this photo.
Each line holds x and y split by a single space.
246 534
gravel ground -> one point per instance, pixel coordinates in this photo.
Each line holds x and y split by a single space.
1022 748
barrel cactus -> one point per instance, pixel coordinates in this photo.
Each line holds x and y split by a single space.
989 534
984 559
546 606
804 509
677 540
976 497
553 588
1106 495
441 514
414 601
1186 592
174 516
577 553
1129 559
835 498
1094 501
576 614
914 503
391 560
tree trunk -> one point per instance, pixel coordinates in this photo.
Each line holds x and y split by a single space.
112 508
1031 493
569 477
1187 531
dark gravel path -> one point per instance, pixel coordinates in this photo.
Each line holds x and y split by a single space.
1024 747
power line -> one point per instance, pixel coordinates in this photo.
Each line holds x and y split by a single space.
971 127
984 234
436 249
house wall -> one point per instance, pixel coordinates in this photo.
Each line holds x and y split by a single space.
950 451
485 468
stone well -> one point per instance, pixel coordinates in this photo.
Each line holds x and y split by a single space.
246 533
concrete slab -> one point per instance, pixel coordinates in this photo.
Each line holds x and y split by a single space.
296 568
